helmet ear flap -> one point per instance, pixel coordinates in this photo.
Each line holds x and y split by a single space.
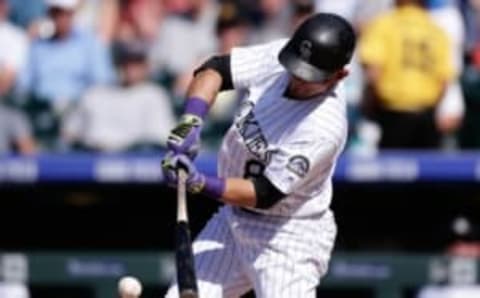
323 44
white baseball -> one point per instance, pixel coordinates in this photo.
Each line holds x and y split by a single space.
129 287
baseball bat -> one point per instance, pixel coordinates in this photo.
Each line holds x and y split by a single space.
184 261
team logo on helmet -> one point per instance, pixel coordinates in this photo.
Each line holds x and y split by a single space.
306 49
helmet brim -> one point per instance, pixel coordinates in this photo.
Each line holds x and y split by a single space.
301 69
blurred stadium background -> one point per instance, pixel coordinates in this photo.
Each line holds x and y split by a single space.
90 89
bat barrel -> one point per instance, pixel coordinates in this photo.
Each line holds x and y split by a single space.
184 259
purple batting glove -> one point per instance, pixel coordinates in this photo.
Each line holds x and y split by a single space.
185 137
169 169
196 182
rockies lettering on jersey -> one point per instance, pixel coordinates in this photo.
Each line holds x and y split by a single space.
253 137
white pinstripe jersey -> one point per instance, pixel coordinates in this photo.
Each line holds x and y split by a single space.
294 143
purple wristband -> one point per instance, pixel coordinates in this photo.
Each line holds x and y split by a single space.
214 187
196 106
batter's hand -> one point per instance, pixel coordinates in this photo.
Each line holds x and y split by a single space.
170 165
185 137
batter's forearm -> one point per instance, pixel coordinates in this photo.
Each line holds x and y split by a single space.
205 85
239 192
256 193
185 137
231 191
234 191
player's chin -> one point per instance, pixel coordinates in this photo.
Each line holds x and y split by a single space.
302 93
305 90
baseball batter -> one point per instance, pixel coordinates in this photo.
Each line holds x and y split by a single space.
276 232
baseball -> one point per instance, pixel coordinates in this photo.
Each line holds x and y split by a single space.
129 287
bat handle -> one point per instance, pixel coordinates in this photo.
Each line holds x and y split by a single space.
182 214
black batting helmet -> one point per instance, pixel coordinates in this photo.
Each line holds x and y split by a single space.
321 45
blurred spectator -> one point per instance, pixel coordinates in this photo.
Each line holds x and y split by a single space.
345 8
139 19
183 41
451 108
407 73
464 240
302 9
366 10
61 67
100 16
13 52
275 16
13 290
176 6
25 12
15 133
457 277
358 12
59 70
471 13
135 115
469 136
232 27
448 16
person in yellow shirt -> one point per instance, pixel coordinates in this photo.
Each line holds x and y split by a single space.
408 65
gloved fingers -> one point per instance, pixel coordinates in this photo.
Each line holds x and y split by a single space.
185 137
185 162
169 168
169 161
173 162
171 177
174 141
189 146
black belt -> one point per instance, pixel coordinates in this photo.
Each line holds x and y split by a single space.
254 212
250 211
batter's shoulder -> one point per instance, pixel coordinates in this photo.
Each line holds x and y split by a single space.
330 122
331 130
257 64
